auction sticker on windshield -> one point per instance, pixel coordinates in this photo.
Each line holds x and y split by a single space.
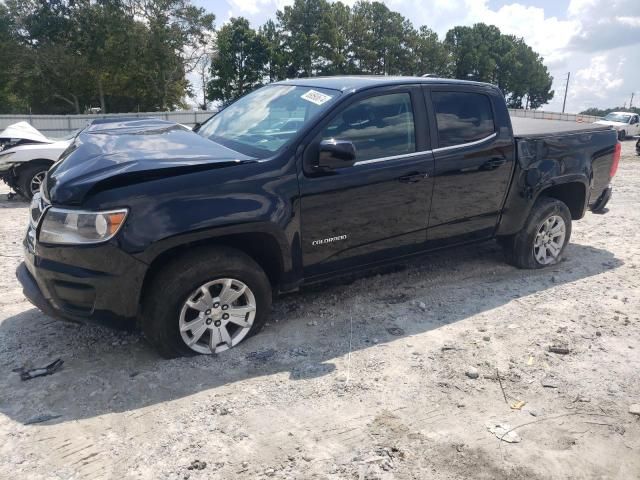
316 97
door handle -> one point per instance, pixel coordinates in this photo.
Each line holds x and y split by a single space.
413 177
493 163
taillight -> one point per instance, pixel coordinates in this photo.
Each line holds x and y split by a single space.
616 159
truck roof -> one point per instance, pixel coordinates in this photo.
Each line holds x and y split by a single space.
536 127
361 82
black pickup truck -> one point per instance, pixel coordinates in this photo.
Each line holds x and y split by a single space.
190 233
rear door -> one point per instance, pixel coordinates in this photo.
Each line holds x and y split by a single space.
474 155
377 208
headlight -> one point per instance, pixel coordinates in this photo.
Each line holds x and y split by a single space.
74 227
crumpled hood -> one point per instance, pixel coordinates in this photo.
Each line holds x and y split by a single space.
23 131
131 150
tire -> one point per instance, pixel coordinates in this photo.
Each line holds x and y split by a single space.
622 135
27 176
165 306
525 247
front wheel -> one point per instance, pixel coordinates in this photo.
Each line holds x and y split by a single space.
205 302
543 238
30 179
622 135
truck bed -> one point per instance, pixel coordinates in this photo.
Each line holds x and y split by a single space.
534 127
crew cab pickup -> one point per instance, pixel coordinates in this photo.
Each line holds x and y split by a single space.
192 233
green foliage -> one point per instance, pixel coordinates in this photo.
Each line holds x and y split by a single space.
484 54
121 55
126 55
240 63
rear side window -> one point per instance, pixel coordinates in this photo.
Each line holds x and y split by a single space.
462 117
380 126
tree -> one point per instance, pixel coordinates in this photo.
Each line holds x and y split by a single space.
120 54
484 54
177 36
14 55
429 55
335 43
380 39
277 58
239 63
301 28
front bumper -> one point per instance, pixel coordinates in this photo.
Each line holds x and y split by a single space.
97 283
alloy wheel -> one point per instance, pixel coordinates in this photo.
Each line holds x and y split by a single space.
217 316
36 182
549 240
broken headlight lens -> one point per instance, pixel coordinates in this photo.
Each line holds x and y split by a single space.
73 227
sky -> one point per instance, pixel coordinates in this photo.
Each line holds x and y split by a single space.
598 41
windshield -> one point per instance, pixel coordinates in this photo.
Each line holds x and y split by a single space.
618 117
261 122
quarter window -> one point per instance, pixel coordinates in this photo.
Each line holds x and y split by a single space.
380 126
462 117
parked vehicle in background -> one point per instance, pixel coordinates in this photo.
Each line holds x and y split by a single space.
26 155
191 234
627 124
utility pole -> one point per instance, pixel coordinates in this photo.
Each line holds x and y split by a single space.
566 89
631 102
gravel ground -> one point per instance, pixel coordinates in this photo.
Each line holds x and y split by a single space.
363 380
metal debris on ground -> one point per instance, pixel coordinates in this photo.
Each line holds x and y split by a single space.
50 369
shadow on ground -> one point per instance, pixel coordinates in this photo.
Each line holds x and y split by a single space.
109 372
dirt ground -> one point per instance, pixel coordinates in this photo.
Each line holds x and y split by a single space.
362 380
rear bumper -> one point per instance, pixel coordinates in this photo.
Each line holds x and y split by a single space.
600 204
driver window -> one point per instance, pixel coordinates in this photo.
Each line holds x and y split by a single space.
634 120
380 126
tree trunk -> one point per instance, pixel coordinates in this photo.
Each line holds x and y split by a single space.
74 103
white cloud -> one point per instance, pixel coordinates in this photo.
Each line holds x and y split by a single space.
608 27
599 77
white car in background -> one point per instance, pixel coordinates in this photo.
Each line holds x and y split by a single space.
26 155
627 124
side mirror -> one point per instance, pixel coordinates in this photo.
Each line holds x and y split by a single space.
196 127
333 154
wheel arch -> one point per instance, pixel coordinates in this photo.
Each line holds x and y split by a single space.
31 163
573 194
263 247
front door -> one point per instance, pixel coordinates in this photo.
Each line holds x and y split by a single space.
378 207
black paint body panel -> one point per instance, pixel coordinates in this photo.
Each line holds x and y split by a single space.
183 189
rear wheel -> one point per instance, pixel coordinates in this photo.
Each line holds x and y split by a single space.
30 178
543 238
206 302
